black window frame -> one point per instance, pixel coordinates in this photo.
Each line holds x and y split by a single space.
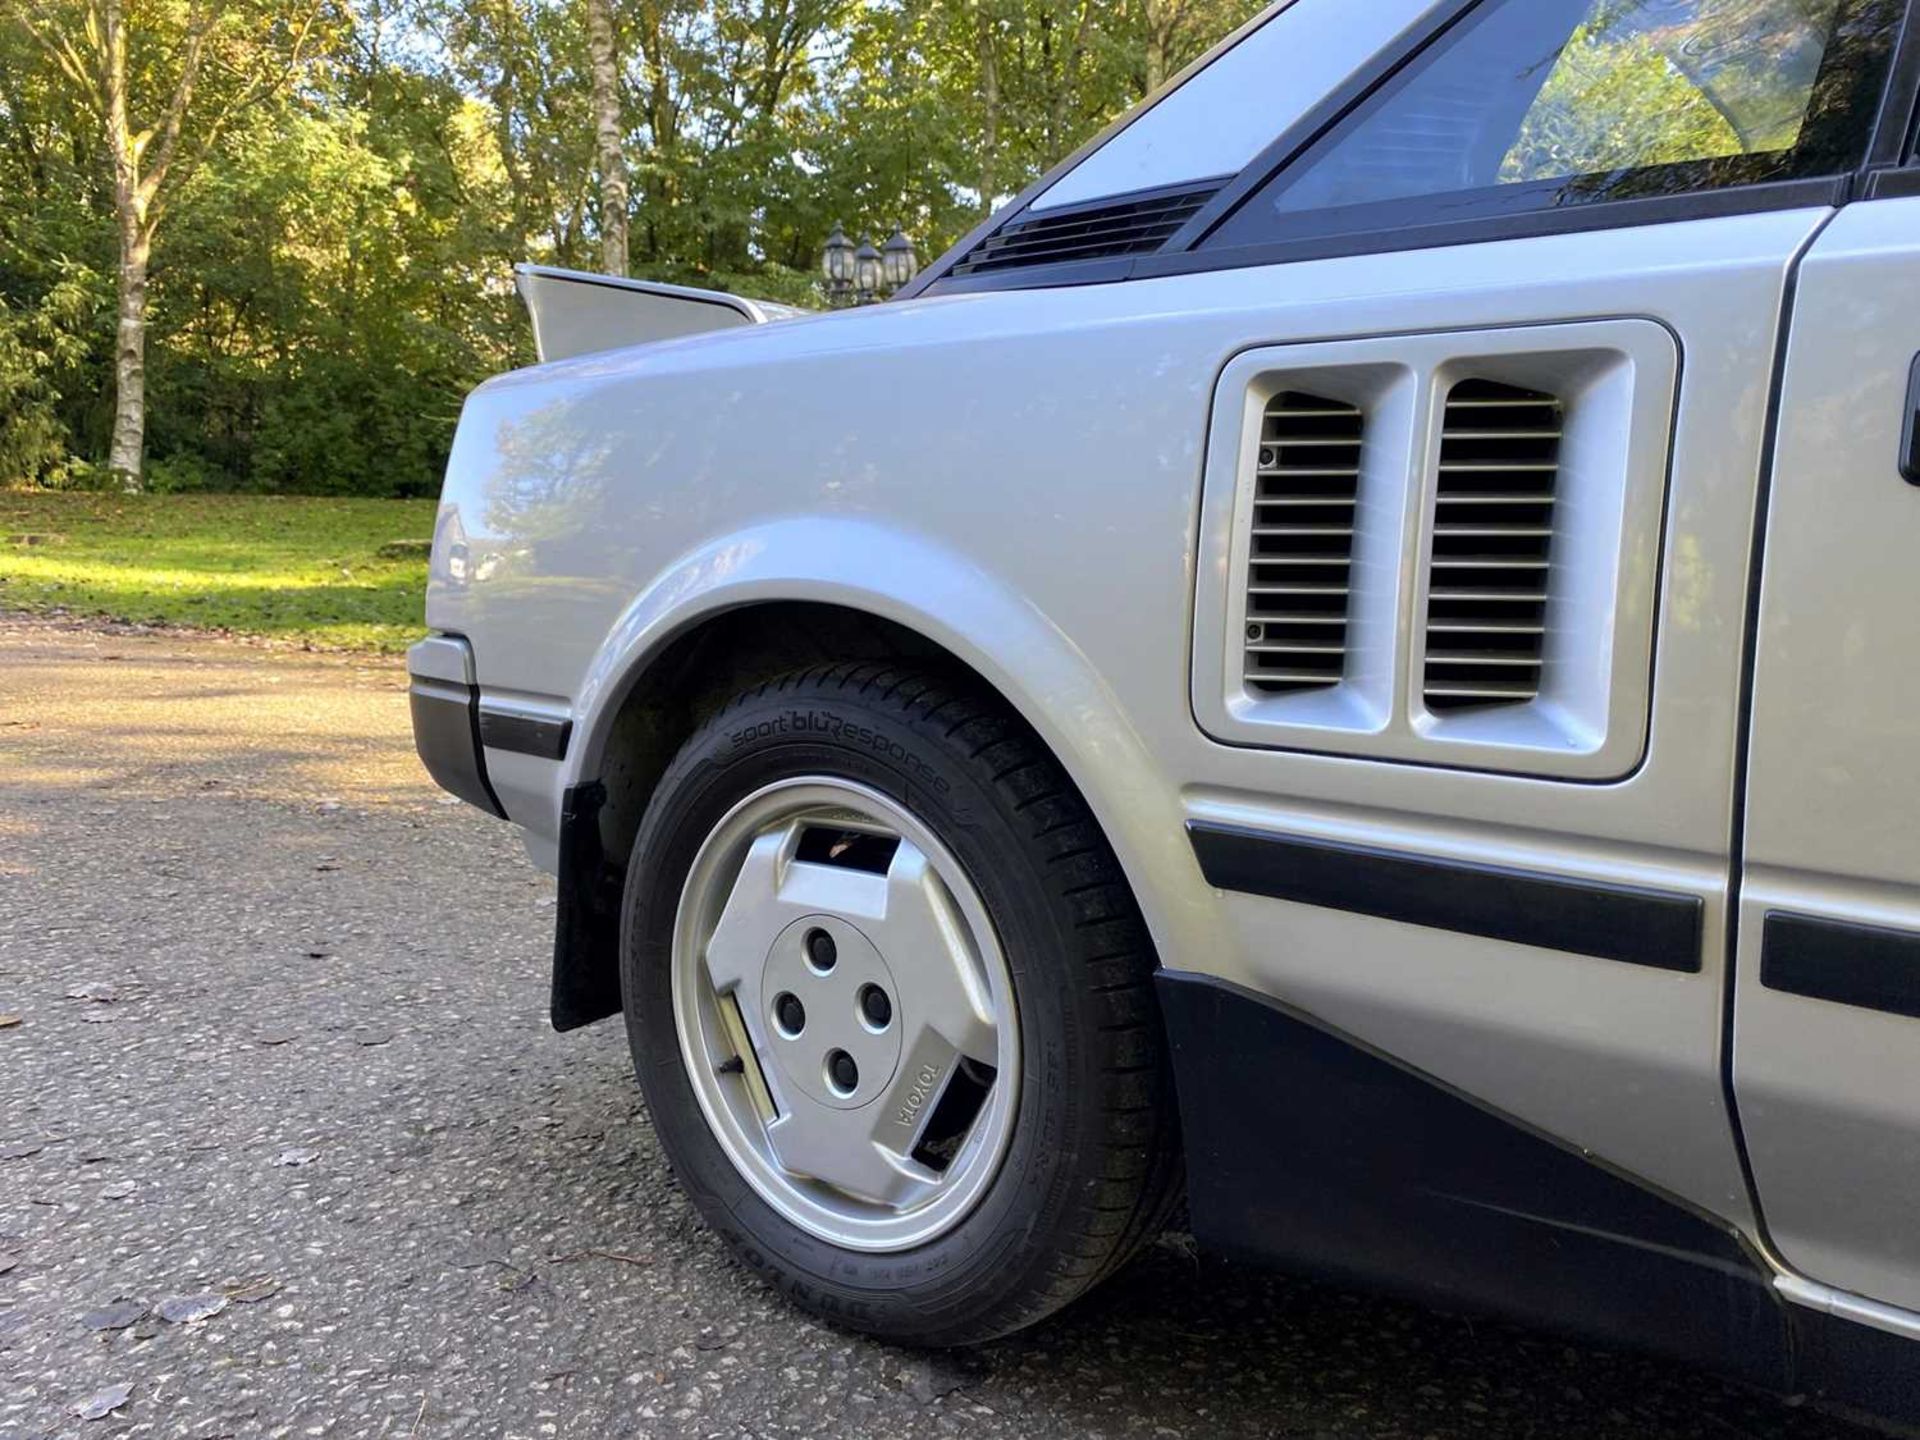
1877 171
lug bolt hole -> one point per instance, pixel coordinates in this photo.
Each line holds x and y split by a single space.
875 1007
790 1015
842 1074
822 953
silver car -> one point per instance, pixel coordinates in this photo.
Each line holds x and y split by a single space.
1352 654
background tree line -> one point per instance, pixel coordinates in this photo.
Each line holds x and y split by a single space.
268 246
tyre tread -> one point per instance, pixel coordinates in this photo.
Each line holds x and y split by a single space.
1137 1172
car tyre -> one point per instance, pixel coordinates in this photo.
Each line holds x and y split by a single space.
1090 1164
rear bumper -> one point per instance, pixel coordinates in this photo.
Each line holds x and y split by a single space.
445 700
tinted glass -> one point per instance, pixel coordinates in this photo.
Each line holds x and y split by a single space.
1534 104
1231 110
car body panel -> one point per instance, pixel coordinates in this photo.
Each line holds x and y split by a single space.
1827 1089
1042 523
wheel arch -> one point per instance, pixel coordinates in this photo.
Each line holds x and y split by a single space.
668 666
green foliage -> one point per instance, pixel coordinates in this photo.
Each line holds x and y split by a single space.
304 570
42 347
1615 103
334 273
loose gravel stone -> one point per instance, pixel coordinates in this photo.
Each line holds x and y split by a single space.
489 1243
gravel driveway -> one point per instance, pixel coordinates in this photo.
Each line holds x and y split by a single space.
287 1148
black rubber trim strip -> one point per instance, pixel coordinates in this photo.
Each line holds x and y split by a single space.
1910 428
1656 928
1893 184
524 734
1766 198
1866 966
446 736
1413 228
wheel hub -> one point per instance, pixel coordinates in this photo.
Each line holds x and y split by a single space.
832 1005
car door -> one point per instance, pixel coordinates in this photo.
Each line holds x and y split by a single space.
1827 1018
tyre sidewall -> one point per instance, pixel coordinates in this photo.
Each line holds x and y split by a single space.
952 1283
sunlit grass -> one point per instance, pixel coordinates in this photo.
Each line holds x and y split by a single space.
295 569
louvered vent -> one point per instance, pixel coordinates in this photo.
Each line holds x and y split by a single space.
1492 545
1135 227
1301 554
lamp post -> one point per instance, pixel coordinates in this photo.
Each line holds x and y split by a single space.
897 261
863 275
836 263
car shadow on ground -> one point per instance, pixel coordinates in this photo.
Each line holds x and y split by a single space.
1182 1344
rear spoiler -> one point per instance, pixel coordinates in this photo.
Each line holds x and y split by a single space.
576 313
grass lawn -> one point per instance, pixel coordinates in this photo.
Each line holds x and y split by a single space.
305 570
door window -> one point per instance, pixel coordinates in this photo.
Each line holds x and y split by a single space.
1544 104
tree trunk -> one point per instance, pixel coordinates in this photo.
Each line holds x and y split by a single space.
128 449
990 120
125 458
1163 19
607 129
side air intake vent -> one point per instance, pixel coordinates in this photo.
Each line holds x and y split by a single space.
1301 556
1133 227
1492 545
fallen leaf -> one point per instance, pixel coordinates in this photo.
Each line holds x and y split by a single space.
372 1037
99 992
117 1316
8 1022
185 1309
103 1403
21 1149
296 1155
7 1262
117 1190
274 1037
251 1292
327 867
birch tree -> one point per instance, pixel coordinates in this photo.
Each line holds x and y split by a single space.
162 82
609 135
